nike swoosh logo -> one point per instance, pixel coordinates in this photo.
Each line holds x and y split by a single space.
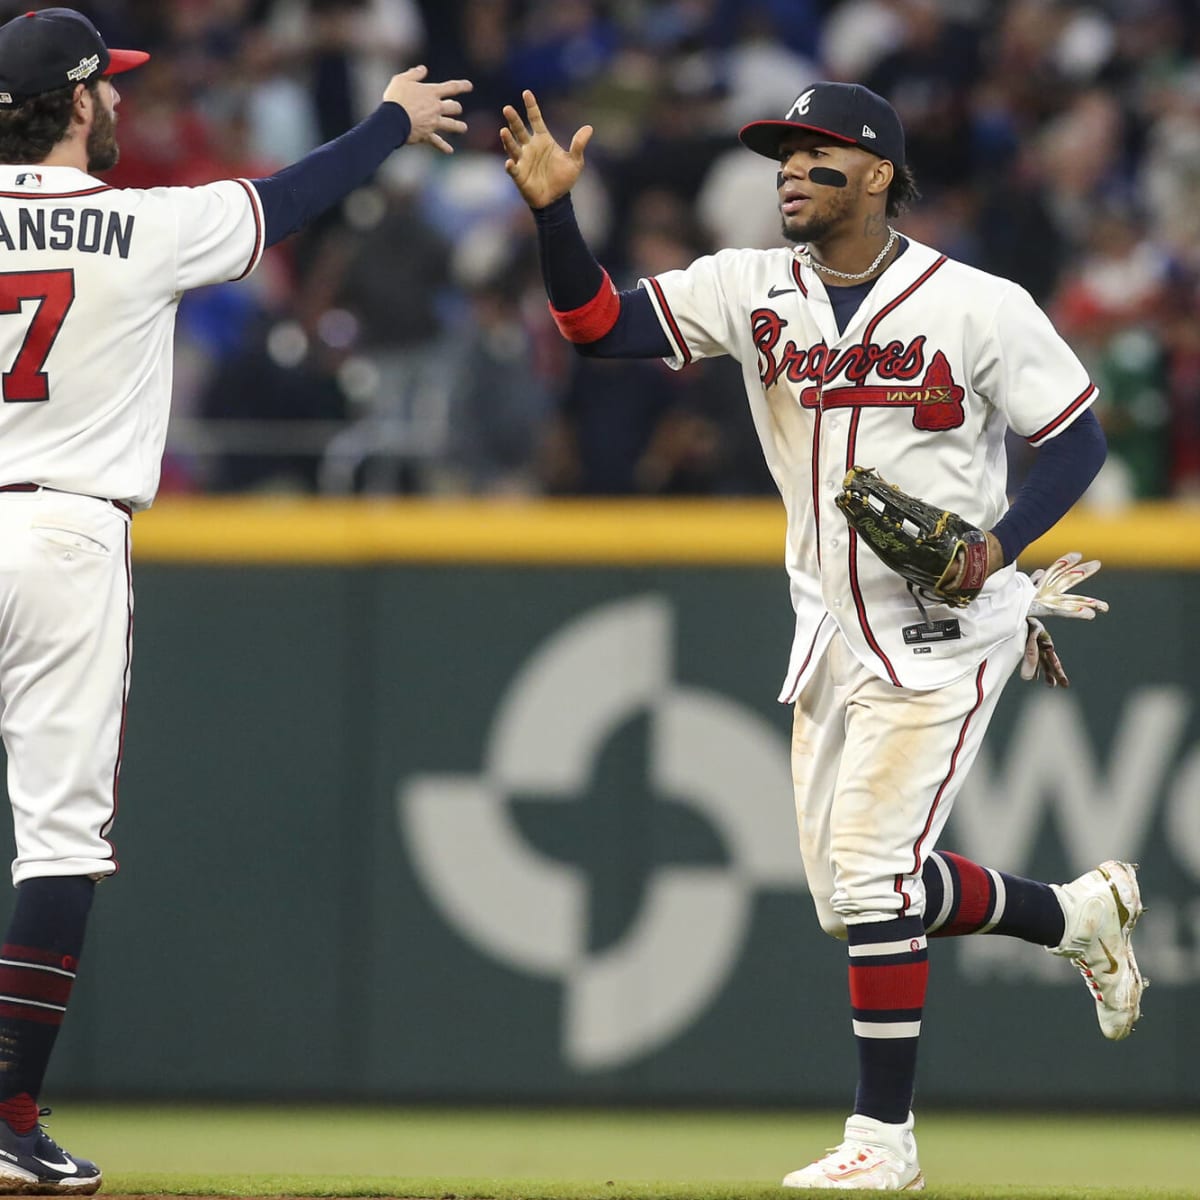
66 1167
1112 962
778 291
1122 909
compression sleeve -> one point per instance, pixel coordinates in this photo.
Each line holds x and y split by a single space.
1060 474
600 321
292 197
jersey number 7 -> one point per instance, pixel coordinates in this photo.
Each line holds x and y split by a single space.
26 381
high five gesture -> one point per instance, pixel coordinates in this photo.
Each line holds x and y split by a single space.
542 170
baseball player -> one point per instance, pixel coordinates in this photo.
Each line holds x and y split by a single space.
861 346
90 279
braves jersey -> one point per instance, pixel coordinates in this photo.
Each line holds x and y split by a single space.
90 280
939 361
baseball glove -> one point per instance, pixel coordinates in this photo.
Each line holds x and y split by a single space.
915 539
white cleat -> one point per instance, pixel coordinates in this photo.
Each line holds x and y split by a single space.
1101 909
874 1157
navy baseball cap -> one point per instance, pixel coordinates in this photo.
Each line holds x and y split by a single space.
847 112
53 48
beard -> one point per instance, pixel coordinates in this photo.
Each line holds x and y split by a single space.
815 227
102 149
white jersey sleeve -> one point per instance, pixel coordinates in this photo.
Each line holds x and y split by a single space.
696 309
220 231
1029 373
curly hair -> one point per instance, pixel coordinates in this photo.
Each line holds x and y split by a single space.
30 131
903 191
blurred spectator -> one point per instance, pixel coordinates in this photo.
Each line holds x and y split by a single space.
1108 306
276 400
1057 144
501 398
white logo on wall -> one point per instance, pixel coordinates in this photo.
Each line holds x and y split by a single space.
530 911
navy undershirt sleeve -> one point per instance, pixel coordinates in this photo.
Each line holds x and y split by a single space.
573 277
294 196
1060 474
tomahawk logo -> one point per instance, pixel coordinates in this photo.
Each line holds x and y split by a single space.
530 911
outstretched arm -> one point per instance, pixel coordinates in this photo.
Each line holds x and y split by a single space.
411 112
589 311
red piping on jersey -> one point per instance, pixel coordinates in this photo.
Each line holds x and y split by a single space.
855 590
591 321
851 438
798 277
807 658
962 737
869 335
37 194
680 345
1046 430
816 476
258 229
107 826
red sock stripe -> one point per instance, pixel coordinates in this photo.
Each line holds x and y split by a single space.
975 897
35 954
881 989
27 1012
35 983
20 1111
591 321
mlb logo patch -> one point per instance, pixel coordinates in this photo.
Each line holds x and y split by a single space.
29 179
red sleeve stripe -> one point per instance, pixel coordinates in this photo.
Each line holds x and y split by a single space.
1072 408
591 321
681 349
256 209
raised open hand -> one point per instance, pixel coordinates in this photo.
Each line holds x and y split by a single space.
430 106
542 170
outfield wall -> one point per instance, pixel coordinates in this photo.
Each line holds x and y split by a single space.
493 802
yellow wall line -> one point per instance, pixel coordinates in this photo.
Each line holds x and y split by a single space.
714 532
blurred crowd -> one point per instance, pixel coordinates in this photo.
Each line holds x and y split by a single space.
402 343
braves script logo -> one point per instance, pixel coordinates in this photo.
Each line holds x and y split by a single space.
936 401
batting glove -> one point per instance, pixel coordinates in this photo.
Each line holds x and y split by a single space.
1040 658
1053 584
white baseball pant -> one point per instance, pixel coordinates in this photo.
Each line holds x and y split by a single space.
66 623
876 769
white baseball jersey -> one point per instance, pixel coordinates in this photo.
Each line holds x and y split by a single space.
938 362
90 280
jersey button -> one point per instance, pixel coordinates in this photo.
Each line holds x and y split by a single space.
834 543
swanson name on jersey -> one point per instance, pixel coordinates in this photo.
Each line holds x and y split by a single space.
89 230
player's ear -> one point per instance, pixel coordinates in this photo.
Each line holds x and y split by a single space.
880 178
83 100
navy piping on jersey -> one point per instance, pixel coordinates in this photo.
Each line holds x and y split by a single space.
1046 430
106 828
40 195
795 679
682 351
255 207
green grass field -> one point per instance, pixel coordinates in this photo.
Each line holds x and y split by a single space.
580 1155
